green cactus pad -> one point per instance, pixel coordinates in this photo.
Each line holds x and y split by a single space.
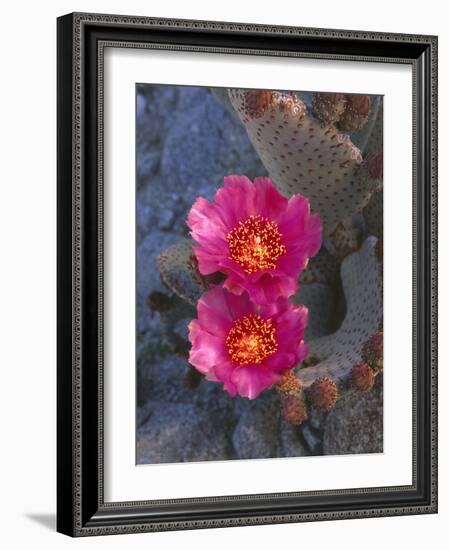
304 156
175 266
338 352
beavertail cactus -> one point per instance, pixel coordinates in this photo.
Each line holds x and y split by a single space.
373 351
323 394
362 377
356 113
179 272
348 112
304 155
337 353
328 107
289 383
294 409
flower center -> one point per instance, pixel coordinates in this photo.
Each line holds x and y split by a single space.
251 340
255 244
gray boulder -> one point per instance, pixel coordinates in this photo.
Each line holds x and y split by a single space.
355 424
290 441
181 433
204 144
256 434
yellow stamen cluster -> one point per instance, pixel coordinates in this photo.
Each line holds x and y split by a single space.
256 244
251 340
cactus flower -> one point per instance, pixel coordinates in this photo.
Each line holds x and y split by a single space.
256 237
245 346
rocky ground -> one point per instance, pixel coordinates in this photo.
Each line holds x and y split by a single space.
186 142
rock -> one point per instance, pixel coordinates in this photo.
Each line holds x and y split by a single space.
148 279
222 97
355 424
181 433
166 219
155 105
143 413
145 219
181 328
147 164
256 434
162 380
205 143
290 441
312 437
160 209
317 418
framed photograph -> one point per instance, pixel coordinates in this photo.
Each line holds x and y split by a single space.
247 279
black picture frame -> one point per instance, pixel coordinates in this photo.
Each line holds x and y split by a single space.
81 509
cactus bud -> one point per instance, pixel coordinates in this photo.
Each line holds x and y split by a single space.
328 107
257 102
373 351
356 113
288 383
323 394
294 409
375 165
345 240
361 377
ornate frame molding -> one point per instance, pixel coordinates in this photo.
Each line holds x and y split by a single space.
81 509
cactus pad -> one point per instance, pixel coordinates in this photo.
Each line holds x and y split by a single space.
304 156
177 271
337 353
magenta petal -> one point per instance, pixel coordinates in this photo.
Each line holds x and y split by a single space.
206 351
295 216
223 373
268 201
205 222
218 310
252 380
239 305
281 361
270 287
207 263
293 263
302 352
236 197
239 198
292 319
214 314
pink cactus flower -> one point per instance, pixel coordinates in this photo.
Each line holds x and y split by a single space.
255 236
245 346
